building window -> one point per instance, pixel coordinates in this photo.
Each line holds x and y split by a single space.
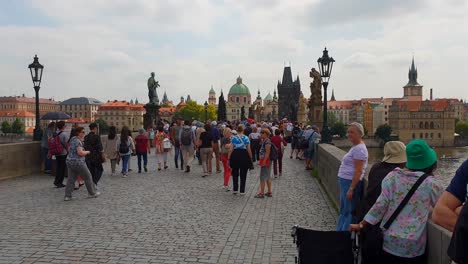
237 99
414 135
432 135
245 100
440 135
432 125
421 125
420 135
427 135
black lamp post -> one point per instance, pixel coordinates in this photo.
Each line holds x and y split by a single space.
206 111
36 74
325 64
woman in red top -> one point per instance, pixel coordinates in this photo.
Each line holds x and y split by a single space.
277 140
142 149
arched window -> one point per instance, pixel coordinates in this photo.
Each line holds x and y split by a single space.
426 125
421 125
440 135
432 135
414 135
237 99
432 125
420 135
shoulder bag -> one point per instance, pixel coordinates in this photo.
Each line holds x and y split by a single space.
372 235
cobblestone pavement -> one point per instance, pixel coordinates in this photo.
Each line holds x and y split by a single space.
159 217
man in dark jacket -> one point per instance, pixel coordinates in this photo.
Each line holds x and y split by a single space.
94 160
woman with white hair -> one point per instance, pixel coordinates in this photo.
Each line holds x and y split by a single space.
350 175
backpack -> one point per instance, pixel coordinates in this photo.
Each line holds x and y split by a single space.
54 144
273 152
123 147
186 137
296 132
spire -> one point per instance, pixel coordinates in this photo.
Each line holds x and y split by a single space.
136 100
131 101
165 100
287 76
413 75
239 80
333 95
258 95
188 99
274 95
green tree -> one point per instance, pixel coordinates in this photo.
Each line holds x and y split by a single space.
17 127
6 127
221 108
462 128
332 119
383 132
212 113
103 126
191 111
339 129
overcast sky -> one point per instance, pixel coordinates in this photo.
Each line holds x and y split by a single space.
107 49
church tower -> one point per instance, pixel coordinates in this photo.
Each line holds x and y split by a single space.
289 91
212 96
412 90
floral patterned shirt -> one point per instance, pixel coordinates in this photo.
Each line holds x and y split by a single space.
407 235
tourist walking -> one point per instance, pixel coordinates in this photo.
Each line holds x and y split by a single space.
62 157
109 149
350 175
76 165
296 135
125 146
226 150
198 131
280 144
142 147
47 134
215 134
94 160
310 150
255 144
265 164
187 144
205 145
404 239
174 135
151 136
240 160
161 152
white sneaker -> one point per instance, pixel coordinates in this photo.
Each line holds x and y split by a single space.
66 199
95 195
124 175
242 193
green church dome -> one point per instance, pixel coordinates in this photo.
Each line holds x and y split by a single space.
239 88
269 97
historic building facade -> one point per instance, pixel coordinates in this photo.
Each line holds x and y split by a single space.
81 108
212 96
18 103
238 97
267 108
122 113
288 95
26 117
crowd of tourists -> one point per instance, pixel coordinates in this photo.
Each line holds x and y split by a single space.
233 148
391 212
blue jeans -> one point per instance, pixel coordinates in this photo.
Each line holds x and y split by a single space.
347 207
177 153
125 159
47 161
145 160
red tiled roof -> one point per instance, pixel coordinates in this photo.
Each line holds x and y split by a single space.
438 105
113 105
21 99
341 104
78 120
169 109
19 113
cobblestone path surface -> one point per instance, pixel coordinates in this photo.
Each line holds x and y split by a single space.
159 217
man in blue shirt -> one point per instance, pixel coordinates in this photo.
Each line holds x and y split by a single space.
448 207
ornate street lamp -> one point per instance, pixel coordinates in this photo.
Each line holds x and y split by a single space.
206 111
36 74
325 65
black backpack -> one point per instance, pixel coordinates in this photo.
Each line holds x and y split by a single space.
123 147
273 152
186 137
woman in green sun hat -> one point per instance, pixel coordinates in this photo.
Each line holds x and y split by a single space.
404 241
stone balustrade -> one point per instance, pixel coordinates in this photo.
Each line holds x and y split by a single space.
19 159
328 160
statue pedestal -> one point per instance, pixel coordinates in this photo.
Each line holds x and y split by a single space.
151 118
316 114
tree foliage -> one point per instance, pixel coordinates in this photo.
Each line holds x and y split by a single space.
338 128
383 132
103 126
332 119
6 127
193 111
461 128
17 127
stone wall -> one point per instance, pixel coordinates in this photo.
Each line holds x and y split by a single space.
19 159
327 162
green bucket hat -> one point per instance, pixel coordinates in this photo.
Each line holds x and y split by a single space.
419 155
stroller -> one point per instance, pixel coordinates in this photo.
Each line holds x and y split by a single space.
331 247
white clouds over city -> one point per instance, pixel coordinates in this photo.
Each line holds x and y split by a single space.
106 49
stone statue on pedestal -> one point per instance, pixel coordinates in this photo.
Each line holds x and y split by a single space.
316 86
152 86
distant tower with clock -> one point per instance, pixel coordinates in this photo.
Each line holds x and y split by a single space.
412 90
